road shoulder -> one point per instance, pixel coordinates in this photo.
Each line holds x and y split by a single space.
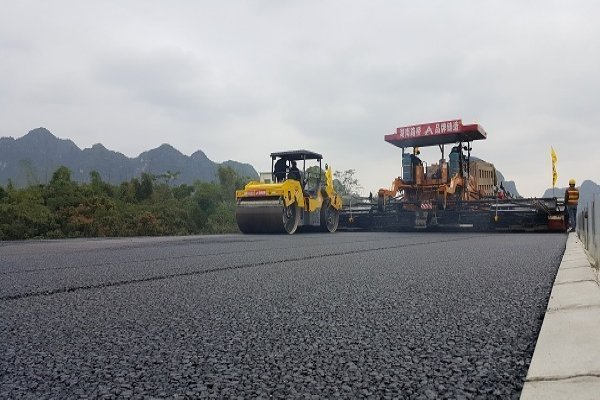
566 360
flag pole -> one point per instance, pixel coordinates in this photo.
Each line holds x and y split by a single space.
553 179
553 158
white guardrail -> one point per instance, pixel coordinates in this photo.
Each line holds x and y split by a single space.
588 229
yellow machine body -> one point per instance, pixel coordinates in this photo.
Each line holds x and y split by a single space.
282 207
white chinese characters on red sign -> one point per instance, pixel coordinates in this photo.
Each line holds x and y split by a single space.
436 128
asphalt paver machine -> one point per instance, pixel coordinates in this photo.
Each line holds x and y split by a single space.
460 192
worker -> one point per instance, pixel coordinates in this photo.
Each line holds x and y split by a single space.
571 200
499 192
294 172
415 159
407 168
455 163
438 171
279 170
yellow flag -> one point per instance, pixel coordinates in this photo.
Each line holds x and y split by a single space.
554 160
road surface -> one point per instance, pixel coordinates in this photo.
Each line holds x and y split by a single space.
380 315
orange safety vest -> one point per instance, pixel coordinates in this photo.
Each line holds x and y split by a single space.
572 197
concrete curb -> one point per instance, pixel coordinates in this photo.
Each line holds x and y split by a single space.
566 360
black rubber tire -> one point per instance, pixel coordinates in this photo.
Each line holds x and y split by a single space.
330 217
290 218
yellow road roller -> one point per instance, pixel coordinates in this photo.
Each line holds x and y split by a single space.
293 198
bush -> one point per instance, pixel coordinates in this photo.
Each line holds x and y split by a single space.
140 207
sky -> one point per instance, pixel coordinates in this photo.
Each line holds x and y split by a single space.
241 79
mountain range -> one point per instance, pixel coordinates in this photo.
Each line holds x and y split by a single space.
33 158
509 186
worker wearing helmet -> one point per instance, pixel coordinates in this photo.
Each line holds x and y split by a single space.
571 200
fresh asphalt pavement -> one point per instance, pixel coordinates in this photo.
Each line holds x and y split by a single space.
380 315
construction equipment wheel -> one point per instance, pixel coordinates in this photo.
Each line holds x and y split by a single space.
291 218
330 217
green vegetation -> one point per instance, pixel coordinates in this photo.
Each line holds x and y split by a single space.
345 183
148 206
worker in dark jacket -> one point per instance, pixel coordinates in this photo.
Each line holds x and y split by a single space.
294 172
279 170
571 200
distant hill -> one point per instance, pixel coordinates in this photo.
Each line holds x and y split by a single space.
33 158
509 186
586 191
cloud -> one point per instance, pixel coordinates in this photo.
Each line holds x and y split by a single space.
174 81
243 78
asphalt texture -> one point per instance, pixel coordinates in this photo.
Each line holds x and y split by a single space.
372 315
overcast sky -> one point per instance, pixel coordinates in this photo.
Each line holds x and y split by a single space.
240 79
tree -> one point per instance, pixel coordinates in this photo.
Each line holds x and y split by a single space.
98 186
207 196
223 218
61 192
146 187
228 179
182 191
65 208
60 176
146 224
93 217
312 177
346 184
168 177
127 191
23 215
204 202
95 178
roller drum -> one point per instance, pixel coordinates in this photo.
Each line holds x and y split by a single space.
266 216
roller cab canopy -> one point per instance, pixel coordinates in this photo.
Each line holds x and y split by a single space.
297 155
435 133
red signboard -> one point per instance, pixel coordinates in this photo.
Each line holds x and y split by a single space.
435 133
434 128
